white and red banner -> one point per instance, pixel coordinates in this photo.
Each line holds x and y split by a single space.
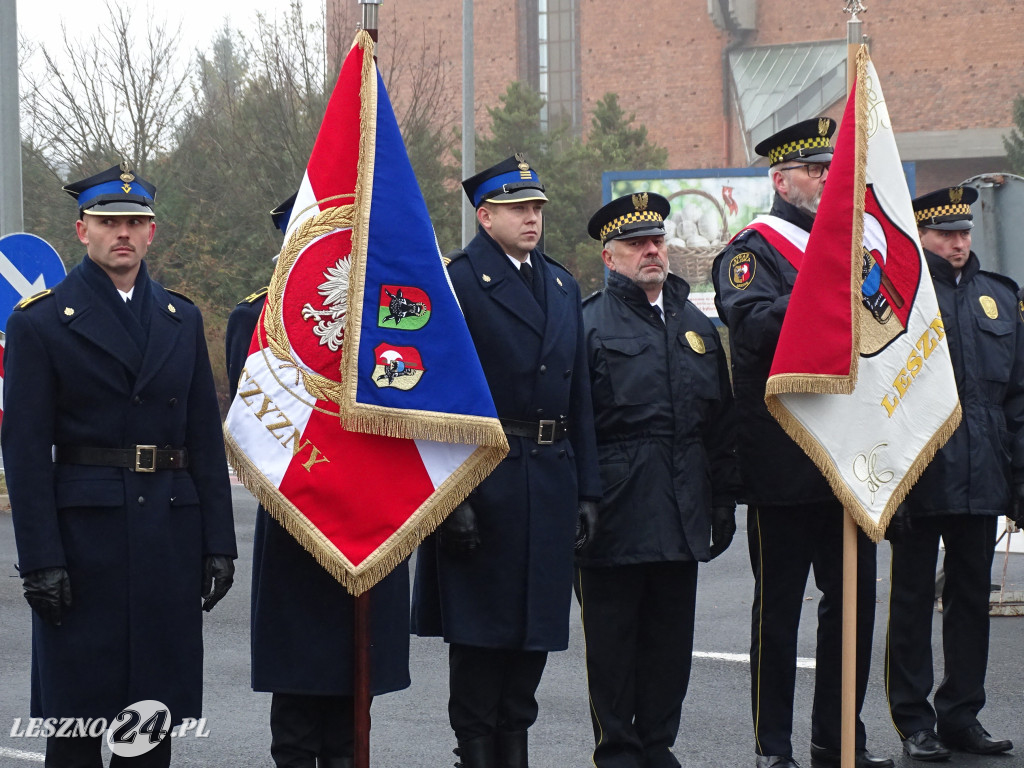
862 377
362 415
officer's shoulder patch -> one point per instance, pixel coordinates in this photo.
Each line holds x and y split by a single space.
252 298
33 299
180 295
451 256
558 264
742 268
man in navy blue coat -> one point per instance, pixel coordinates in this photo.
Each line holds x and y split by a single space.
302 618
975 478
496 579
119 489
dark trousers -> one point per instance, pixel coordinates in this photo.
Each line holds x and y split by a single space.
785 544
303 728
492 690
638 624
970 545
84 752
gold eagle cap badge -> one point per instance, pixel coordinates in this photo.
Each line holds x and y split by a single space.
823 124
956 194
523 165
989 305
640 201
696 342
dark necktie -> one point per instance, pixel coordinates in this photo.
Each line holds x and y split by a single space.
658 313
526 272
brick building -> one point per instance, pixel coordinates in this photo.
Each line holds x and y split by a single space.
708 92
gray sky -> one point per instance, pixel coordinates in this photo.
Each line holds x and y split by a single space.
40 20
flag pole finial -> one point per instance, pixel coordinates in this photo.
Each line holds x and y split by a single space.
369 20
853 7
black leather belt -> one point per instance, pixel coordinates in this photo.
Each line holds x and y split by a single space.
544 432
139 458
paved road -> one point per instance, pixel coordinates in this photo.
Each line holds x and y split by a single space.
410 728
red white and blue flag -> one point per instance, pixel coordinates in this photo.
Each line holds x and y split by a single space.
862 377
362 415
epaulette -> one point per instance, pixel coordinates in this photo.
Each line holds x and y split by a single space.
253 297
451 256
33 298
1009 281
594 295
180 295
560 266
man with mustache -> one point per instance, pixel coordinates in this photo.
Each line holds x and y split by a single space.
976 477
118 482
794 521
663 417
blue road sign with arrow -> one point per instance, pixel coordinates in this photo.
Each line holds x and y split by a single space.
28 265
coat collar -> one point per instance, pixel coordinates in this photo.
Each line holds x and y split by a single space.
85 308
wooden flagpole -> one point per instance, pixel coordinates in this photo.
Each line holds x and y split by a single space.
361 603
849 669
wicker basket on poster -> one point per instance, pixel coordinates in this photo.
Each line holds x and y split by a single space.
693 262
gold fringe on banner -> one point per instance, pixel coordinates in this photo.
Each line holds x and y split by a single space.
391 553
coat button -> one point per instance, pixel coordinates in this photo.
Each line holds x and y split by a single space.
136 400
142 500
540 411
543 369
172 402
535 452
561 454
568 373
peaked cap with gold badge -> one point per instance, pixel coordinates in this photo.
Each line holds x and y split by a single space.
510 181
946 208
117 191
641 214
809 141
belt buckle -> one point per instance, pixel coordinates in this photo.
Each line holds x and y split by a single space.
548 426
145 451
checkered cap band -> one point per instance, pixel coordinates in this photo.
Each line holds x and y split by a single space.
928 214
630 218
779 154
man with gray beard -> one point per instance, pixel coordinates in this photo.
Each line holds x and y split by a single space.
794 521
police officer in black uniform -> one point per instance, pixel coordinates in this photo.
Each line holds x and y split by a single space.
794 521
975 477
496 579
118 482
302 618
664 423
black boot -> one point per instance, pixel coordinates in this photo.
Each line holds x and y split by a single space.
512 751
334 762
477 753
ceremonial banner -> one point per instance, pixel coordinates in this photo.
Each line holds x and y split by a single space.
362 416
862 378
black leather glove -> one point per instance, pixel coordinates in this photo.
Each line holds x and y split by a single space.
899 527
48 591
458 533
586 523
723 528
218 576
1017 509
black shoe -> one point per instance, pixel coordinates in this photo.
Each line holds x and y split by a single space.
776 761
977 741
924 745
827 757
481 752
